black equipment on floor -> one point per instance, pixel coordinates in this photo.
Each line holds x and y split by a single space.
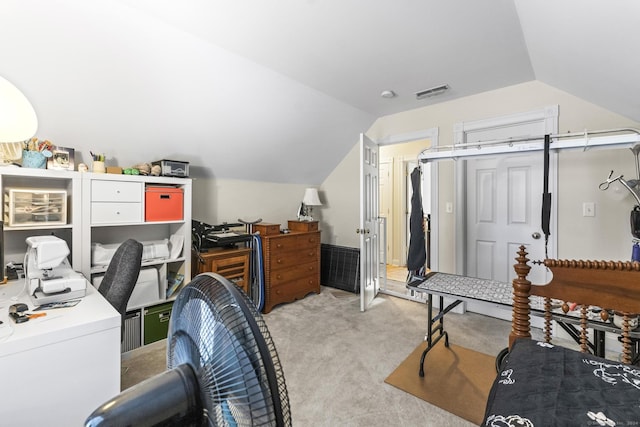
340 267
223 368
206 236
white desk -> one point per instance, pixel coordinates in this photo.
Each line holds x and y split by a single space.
55 370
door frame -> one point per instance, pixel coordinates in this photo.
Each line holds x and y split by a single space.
389 217
432 135
547 116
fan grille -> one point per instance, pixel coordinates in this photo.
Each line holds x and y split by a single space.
216 329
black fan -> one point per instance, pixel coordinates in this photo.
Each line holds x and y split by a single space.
223 367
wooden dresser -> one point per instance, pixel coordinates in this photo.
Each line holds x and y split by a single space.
291 261
233 264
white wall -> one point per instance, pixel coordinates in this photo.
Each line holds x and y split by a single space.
226 200
605 236
112 79
340 215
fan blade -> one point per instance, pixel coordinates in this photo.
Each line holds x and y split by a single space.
170 398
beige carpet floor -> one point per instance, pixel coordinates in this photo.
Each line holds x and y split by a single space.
336 359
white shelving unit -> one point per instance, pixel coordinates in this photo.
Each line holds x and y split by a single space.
113 210
106 209
13 238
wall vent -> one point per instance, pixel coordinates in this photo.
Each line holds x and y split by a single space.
437 90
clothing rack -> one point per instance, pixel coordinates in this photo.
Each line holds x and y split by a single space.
614 138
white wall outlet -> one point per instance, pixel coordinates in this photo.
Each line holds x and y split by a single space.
588 209
448 207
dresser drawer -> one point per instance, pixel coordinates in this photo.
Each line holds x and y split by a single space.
289 291
303 225
308 240
108 213
294 242
115 191
292 259
305 270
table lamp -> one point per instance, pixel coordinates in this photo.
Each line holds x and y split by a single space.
18 122
309 200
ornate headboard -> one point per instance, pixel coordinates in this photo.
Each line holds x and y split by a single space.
611 285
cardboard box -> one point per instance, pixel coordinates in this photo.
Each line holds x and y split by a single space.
114 169
163 204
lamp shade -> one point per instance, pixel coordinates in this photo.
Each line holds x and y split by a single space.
18 121
311 197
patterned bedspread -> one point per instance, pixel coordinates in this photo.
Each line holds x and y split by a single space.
543 385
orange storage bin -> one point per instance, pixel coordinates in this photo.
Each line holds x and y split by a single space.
163 204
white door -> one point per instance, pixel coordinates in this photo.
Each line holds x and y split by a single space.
504 202
502 199
369 241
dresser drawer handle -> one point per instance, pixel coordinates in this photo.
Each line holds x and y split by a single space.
279 245
279 261
278 291
279 277
311 268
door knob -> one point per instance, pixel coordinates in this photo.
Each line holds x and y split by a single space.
536 235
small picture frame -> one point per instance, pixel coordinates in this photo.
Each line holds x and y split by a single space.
62 158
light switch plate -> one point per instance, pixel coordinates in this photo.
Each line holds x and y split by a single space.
588 209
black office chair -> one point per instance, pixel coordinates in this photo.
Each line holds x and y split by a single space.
121 276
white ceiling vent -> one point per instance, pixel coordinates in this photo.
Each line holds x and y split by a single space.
437 90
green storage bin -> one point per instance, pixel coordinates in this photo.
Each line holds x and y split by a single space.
156 322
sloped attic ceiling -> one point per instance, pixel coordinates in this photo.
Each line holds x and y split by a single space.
278 91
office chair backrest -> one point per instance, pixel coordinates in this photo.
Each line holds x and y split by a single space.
122 274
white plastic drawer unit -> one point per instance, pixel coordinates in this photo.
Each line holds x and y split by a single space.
116 202
31 207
